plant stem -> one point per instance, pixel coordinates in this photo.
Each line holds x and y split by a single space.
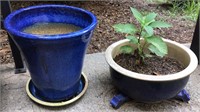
140 51
139 47
140 34
143 47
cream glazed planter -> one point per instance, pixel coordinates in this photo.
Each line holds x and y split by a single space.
149 88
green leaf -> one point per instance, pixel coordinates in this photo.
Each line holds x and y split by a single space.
150 18
158 43
126 49
155 50
160 24
148 55
137 14
132 39
125 28
145 34
149 30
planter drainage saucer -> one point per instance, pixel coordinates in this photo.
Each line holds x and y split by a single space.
58 103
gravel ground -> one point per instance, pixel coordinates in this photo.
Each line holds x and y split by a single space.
109 13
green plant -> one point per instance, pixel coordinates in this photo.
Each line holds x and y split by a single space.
146 31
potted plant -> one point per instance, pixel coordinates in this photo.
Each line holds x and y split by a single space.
142 65
54 60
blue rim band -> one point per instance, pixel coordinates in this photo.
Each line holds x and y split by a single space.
19 33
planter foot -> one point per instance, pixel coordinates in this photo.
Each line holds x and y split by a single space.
118 100
183 95
57 103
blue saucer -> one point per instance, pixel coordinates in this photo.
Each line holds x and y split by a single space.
31 91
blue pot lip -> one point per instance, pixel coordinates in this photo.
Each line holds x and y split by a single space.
19 33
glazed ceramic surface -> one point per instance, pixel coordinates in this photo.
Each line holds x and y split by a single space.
30 89
54 61
149 88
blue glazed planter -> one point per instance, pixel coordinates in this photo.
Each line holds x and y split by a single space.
150 88
54 61
147 91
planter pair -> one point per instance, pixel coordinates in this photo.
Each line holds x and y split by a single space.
55 61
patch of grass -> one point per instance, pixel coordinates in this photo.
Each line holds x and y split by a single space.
159 1
192 9
187 8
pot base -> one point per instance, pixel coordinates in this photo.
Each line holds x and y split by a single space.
30 91
120 99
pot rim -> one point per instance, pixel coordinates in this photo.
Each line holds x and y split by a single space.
170 77
19 33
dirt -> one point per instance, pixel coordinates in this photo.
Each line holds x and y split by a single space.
152 66
5 52
109 13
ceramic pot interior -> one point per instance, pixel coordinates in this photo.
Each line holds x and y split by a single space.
23 18
182 56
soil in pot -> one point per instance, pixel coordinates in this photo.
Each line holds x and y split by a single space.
152 65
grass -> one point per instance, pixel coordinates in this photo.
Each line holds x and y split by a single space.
188 8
